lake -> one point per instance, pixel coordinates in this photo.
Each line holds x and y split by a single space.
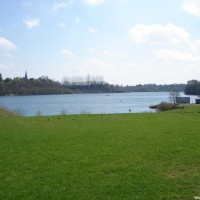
136 102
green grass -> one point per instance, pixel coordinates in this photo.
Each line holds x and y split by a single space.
86 157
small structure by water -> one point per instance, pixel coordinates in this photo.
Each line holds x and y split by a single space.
197 101
182 100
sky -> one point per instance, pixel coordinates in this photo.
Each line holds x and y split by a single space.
127 42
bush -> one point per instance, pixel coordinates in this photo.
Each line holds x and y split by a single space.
164 106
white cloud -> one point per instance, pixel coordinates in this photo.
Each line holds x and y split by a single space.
62 25
6 45
63 4
92 50
26 4
31 23
131 65
67 52
2 66
6 66
172 47
77 20
94 61
93 2
168 34
58 6
92 30
176 55
115 55
154 33
195 45
192 7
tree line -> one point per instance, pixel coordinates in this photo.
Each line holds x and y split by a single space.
83 80
88 84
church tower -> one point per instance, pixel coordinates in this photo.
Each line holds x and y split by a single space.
1 79
26 76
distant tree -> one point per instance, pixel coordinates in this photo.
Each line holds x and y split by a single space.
192 87
79 84
172 96
66 81
7 80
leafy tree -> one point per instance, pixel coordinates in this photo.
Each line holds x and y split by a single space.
192 87
7 80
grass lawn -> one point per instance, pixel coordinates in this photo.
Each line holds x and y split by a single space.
86 157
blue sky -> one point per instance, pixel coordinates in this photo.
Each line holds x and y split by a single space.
125 41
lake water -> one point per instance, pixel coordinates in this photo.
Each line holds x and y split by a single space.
137 102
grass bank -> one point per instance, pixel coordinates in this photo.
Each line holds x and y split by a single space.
121 156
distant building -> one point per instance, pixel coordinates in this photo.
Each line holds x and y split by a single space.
197 101
182 100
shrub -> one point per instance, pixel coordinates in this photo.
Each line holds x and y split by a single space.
164 106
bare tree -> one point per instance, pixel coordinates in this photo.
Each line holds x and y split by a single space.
66 81
172 96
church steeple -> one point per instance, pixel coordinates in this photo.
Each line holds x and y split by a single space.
1 79
26 76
